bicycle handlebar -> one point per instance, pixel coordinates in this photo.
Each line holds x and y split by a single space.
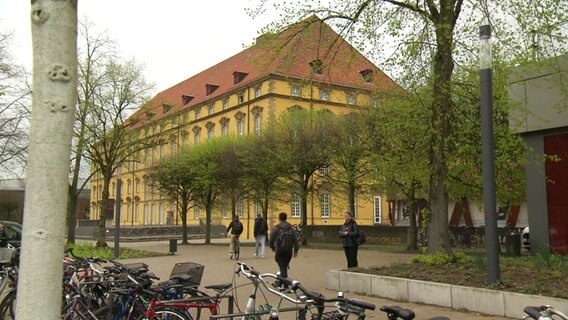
546 311
345 304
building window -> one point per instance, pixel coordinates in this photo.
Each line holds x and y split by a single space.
196 212
257 92
153 214
377 210
240 209
224 209
257 208
137 185
161 217
210 109
136 212
325 201
324 171
128 186
324 95
162 150
146 215
351 99
240 127
225 129
225 104
295 210
316 66
257 124
296 91
209 133
196 137
240 98
367 75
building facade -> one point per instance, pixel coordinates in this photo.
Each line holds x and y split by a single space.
306 66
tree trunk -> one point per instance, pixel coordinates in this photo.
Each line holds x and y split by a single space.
101 237
54 35
71 215
412 241
441 121
351 192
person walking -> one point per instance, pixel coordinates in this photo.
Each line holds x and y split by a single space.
260 231
236 228
349 234
285 243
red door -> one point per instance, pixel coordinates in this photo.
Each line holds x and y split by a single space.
557 191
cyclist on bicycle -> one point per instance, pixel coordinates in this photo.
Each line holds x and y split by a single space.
236 228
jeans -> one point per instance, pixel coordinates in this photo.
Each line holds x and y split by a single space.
259 245
234 239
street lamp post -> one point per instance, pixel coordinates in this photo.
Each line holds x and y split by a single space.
117 214
488 154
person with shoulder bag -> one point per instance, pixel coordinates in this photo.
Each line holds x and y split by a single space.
260 231
349 234
236 229
284 242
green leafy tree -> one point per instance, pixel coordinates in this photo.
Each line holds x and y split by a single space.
175 179
304 140
263 168
350 155
429 40
203 161
231 171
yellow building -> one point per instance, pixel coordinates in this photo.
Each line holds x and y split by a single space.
306 66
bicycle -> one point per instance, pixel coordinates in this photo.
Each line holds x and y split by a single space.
304 303
236 247
396 312
544 312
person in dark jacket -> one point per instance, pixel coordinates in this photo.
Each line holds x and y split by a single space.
348 233
236 228
283 258
260 231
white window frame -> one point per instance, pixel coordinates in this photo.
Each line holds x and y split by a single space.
325 204
257 92
196 212
295 206
296 91
224 209
209 133
257 123
225 104
351 99
324 171
146 214
225 129
377 209
197 114
153 214
325 95
161 217
240 208
240 127
196 138
257 208
210 110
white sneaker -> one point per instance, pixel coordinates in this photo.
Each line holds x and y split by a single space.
254 254
230 256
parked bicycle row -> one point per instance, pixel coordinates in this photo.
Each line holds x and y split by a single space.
96 289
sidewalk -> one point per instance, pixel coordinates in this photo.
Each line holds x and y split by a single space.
309 268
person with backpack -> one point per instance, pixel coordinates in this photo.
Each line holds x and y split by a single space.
236 228
260 231
349 234
284 242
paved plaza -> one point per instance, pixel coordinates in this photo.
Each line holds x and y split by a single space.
309 267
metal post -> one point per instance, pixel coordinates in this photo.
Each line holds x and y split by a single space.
117 216
488 155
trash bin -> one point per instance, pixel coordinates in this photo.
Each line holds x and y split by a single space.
173 246
513 245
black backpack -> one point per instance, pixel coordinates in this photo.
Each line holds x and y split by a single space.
237 227
286 239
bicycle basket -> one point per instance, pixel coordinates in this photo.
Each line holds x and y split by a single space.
192 269
331 315
6 255
136 267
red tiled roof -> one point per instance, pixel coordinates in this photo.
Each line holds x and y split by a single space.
287 54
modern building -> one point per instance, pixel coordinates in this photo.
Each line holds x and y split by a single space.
307 66
12 193
542 91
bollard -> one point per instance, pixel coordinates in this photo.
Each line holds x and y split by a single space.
173 246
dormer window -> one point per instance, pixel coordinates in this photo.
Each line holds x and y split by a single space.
166 107
210 88
238 76
150 114
185 99
367 75
316 66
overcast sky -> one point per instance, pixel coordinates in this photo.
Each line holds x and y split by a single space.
174 39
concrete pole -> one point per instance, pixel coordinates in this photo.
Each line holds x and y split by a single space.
488 155
54 37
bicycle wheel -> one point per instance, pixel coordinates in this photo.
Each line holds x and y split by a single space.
8 306
237 250
168 314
